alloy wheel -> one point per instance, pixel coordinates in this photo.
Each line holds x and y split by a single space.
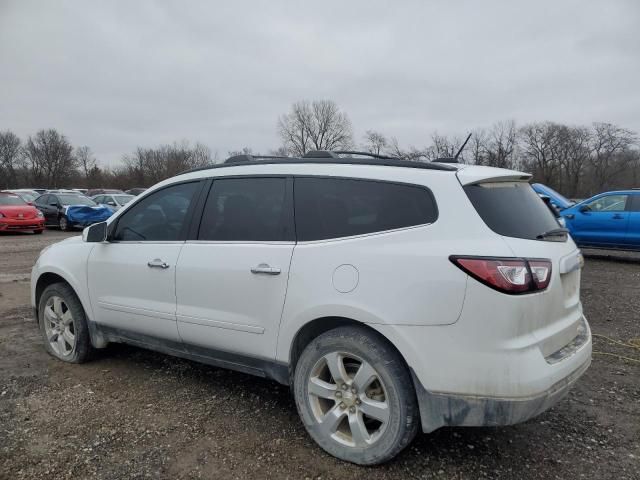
348 399
59 327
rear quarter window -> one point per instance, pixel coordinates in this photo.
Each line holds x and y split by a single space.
328 208
511 209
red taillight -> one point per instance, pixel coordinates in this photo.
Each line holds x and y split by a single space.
508 275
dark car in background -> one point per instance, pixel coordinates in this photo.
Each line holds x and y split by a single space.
135 191
69 210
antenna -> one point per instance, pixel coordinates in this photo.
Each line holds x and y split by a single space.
462 147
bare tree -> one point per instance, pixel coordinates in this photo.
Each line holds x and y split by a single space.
609 143
50 158
500 145
151 165
375 142
319 125
86 161
11 158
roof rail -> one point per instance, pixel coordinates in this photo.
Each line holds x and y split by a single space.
249 158
252 160
366 154
446 160
320 154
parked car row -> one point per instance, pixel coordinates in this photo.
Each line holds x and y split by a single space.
606 220
30 210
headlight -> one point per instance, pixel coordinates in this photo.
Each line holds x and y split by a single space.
562 221
39 214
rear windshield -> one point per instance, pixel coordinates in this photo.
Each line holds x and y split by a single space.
512 209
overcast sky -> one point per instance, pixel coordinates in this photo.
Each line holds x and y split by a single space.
115 75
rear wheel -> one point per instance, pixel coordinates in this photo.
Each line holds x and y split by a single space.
355 396
63 324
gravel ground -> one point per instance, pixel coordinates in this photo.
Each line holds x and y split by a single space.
131 413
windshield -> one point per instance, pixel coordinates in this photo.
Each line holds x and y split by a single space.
11 200
560 200
123 199
71 199
513 209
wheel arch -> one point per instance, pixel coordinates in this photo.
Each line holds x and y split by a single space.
318 326
48 278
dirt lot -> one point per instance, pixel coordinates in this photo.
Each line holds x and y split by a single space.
131 413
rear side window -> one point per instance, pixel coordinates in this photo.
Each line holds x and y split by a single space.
634 204
247 209
334 208
512 209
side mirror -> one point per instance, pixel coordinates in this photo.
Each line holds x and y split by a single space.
95 233
585 208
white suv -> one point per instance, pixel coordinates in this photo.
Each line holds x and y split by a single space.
390 295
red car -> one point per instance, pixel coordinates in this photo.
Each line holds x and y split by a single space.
16 215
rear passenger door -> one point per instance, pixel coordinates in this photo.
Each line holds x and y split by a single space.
232 275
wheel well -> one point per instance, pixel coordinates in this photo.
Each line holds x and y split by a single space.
44 281
321 325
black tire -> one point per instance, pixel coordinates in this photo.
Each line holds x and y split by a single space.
399 395
82 348
63 223
38 232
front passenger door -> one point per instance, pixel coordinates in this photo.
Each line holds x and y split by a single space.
132 276
603 222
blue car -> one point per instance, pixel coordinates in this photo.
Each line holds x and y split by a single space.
606 220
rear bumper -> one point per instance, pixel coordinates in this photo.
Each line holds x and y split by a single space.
439 410
21 225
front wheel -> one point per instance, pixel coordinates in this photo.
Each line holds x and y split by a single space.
63 223
355 396
63 324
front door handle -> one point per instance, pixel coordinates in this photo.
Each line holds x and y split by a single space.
266 269
617 216
157 263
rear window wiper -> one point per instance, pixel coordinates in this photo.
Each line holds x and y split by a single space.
553 233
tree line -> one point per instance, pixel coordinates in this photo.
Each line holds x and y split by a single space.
577 160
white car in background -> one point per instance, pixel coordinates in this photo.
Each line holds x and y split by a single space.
115 200
389 295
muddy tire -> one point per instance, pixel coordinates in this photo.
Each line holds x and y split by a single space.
355 396
63 324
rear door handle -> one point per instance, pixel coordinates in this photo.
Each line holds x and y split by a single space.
157 263
266 269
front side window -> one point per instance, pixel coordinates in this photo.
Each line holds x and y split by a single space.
609 203
334 208
247 209
160 216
